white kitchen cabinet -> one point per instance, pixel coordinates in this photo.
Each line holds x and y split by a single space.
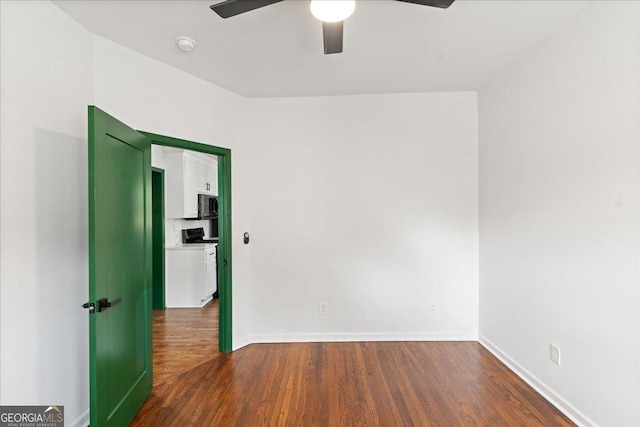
190 277
207 177
210 277
181 193
211 177
202 179
186 176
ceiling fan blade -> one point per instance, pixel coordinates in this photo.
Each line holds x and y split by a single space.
332 35
443 4
230 8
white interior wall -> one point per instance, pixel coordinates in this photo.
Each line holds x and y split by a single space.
560 214
367 204
51 69
47 82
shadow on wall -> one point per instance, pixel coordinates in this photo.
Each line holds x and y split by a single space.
62 267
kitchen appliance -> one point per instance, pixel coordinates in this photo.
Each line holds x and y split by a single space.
214 228
207 207
195 235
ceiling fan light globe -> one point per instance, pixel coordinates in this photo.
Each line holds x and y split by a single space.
332 10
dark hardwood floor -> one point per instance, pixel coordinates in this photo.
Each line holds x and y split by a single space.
340 384
182 339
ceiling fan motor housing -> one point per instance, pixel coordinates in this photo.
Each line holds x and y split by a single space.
332 13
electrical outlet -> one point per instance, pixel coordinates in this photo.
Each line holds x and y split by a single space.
322 309
554 354
434 308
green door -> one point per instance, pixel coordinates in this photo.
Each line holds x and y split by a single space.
119 270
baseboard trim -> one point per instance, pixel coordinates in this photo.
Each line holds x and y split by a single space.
547 392
241 342
81 421
358 337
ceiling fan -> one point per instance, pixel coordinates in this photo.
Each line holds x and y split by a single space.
332 13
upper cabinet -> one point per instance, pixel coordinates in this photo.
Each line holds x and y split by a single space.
186 176
207 178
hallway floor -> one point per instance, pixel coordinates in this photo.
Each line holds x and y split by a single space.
182 339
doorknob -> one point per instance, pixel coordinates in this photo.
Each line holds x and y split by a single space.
104 303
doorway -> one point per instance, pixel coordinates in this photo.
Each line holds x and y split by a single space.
224 228
157 224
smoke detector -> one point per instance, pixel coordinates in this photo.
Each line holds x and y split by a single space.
186 44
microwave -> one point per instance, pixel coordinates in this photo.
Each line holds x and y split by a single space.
207 207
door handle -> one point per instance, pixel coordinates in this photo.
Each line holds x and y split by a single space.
104 303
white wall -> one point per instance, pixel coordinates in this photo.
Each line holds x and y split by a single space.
367 204
51 69
47 83
560 214
155 97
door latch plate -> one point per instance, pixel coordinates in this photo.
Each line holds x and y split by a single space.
91 306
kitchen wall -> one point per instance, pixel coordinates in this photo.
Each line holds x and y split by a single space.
173 229
367 204
157 156
560 214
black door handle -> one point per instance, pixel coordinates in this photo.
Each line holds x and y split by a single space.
104 303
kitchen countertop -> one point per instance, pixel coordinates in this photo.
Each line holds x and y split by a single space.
192 246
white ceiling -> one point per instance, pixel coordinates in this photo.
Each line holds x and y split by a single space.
389 46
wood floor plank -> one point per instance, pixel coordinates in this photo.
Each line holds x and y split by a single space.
335 384
183 338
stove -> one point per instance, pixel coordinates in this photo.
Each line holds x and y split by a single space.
196 235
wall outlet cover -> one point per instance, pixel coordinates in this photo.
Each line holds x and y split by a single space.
554 354
322 309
